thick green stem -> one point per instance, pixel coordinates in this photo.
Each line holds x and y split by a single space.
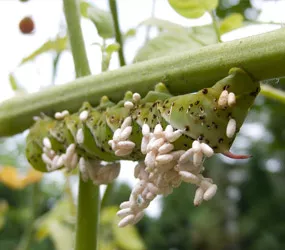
87 216
119 40
87 226
263 56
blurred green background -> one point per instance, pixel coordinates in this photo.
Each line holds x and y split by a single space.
248 212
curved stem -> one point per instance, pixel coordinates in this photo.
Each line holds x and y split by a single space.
183 73
114 11
87 225
215 25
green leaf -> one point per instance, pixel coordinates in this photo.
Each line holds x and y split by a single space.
101 19
193 8
83 8
163 24
111 48
58 45
126 238
231 22
206 34
61 235
13 82
165 44
129 33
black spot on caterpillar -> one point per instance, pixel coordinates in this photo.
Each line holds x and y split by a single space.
198 115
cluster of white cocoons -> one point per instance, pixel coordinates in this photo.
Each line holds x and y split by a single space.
61 115
228 99
164 169
54 161
120 143
97 172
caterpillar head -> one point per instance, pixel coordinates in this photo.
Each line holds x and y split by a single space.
201 116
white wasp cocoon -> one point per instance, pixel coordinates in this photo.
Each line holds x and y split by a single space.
210 192
150 160
124 212
125 133
163 159
46 159
69 151
74 161
231 99
116 135
60 162
197 158
169 129
64 113
83 115
126 145
127 220
155 144
128 105
123 152
173 136
189 177
231 128
144 144
206 149
80 136
198 196
58 115
145 130
136 97
47 143
186 156
196 146
127 122
166 148
158 130
125 204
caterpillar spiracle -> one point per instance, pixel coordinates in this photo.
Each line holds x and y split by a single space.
169 135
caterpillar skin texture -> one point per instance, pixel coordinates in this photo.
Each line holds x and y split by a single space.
198 115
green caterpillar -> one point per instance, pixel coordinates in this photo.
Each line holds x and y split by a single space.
196 115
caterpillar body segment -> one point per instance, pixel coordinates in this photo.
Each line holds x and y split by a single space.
202 116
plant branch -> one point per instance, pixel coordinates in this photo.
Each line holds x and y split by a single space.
87 225
72 16
272 93
215 25
263 56
119 40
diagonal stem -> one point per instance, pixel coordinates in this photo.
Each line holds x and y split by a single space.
183 73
